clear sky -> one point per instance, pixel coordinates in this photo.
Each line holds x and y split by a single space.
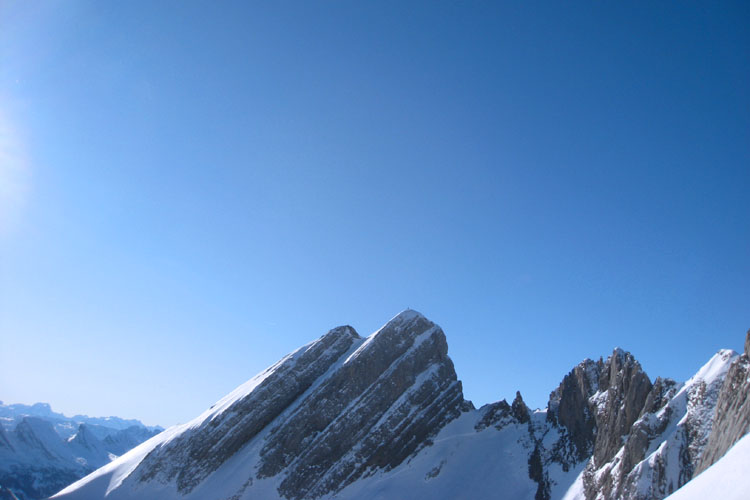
190 190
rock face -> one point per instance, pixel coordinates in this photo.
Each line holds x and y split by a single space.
329 413
191 456
362 418
597 403
623 389
639 440
658 451
371 418
732 416
569 406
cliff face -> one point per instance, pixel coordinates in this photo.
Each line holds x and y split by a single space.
639 440
235 420
732 416
658 450
322 417
388 397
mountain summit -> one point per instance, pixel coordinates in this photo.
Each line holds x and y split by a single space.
384 417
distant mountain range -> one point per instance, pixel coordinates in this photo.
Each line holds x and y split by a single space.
42 451
384 417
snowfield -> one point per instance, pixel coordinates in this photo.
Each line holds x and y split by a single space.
727 479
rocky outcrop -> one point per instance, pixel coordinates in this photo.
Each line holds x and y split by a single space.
519 409
337 409
623 389
646 430
191 456
596 404
569 407
380 407
732 416
659 451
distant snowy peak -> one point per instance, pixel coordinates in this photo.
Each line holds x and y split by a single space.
12 414
36 461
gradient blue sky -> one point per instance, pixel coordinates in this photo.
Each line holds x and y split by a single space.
190 190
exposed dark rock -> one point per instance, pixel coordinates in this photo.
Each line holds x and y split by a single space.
338 409
539 475
498 414
345 408
623 389
192 456
674 425
520 410
364 416
569 406
644 431
732 414
747 343
626 387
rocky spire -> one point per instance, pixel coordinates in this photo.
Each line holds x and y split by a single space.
569 406
519 409
624 387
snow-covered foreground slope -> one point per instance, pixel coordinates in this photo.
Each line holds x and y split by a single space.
727 479
384 417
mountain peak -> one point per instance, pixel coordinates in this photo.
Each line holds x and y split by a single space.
372 417
407 315
337 409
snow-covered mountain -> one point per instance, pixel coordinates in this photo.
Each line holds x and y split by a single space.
384 417
12 414
38 454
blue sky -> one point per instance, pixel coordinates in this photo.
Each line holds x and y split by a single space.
188 190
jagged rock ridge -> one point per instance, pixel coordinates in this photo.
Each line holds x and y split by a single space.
384 417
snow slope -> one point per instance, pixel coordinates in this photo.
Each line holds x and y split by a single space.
727 479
